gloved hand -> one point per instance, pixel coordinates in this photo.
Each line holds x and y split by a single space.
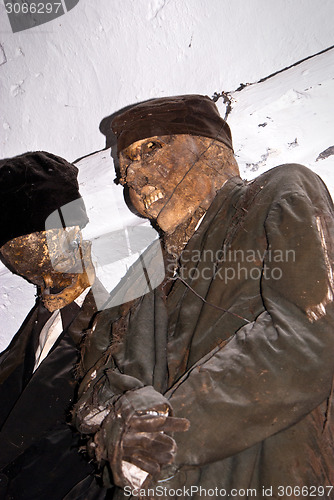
145 443
134 431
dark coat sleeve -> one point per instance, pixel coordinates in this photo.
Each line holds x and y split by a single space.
278 368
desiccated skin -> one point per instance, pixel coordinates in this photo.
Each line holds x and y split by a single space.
57 259
170 178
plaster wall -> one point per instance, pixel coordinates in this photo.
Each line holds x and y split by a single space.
60 80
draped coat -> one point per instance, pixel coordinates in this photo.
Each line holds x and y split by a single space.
241 344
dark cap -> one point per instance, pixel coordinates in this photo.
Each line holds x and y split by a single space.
32 186
184 114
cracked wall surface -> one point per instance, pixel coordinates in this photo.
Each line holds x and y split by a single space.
286 118
3 57
60 80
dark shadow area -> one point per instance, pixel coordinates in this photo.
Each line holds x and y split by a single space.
70 4
111 142
106 130
3 161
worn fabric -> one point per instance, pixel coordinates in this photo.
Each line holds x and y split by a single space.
39 450
184 114
55 325
246 354
32 187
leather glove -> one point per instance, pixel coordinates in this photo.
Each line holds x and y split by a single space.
145 443
134 432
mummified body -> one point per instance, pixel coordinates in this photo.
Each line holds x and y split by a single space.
37 370
239 348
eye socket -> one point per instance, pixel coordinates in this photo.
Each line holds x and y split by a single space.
74 243
71 243
138 153
150 147
130 155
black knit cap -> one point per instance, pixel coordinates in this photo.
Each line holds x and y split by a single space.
185 114
32 186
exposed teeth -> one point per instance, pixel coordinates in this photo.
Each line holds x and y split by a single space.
148 200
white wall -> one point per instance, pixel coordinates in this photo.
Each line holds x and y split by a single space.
287 119
58 81
62 78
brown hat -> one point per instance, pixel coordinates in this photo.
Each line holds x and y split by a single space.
185 114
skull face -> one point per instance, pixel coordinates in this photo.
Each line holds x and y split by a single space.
169 178
56 260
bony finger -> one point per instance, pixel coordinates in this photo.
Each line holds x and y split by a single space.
176 424
159 457
150 423
147 423
148 440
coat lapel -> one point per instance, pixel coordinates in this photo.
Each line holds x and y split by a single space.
89 308
15 353
49 394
